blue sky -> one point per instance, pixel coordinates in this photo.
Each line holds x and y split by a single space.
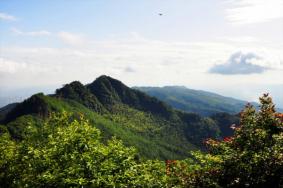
232 47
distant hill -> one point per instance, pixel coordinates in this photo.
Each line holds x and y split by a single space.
155 128
196 101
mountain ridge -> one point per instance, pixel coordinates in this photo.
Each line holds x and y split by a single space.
198 101
153 127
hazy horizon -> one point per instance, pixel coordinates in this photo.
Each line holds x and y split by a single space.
10 95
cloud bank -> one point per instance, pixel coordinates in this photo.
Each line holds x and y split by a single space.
242 12
239 63
68 38
8 66
167 62
71 38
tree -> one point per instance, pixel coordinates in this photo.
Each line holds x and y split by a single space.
252 157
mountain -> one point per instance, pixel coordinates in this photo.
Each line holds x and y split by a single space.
110 91
78 92
197 101
5 110
224 122
157 130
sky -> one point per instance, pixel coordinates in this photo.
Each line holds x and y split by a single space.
231 47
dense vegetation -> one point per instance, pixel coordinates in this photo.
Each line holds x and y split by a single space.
67 151
134 127
252 157
223 119
153 127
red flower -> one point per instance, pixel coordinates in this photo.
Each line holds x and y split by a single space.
211 142
227 139
279 116
169 165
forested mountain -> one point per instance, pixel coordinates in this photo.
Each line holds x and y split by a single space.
5 110
197 101
153 127
65 149
72 139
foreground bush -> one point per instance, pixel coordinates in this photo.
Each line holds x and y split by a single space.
253 157
68 153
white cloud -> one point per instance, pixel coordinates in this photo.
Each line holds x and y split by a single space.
174 63
7 17
66 37
31 33
241 39
129 70
71 38
8 66
253 11
240 63
18 67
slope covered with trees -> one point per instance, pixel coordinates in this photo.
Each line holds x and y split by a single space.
153 127
66 150
252 157
197 101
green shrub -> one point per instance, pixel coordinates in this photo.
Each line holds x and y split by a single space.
253 157
65 152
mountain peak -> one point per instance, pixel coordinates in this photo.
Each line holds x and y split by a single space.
110 91
104 89
78 92
105 78
33 105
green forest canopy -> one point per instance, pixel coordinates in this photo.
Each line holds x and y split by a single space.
67 151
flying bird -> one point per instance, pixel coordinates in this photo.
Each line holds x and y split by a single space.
160 14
